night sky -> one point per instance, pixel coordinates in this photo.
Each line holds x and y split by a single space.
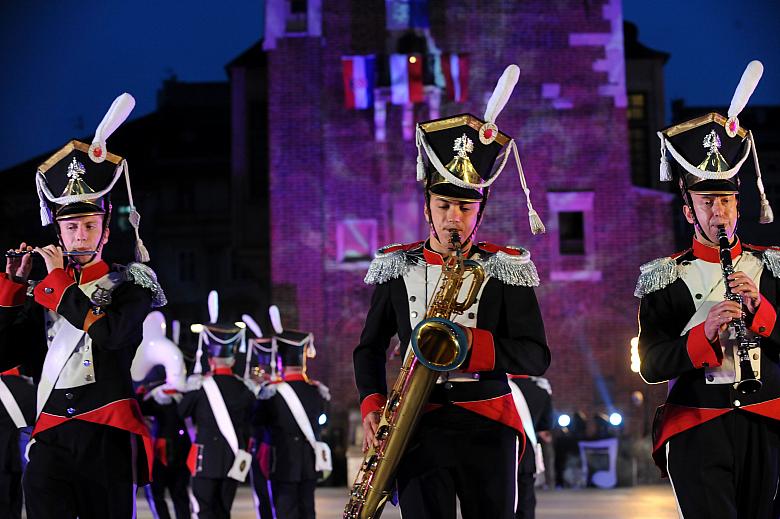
64 62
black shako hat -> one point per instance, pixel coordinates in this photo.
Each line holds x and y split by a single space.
77 180
460 157
708 152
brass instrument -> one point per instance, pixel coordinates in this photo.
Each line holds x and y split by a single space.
748 384
438 345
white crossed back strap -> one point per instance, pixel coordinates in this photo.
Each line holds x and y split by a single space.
10 404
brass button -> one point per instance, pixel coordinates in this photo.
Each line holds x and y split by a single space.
448 385
48 290
69 396
737 403
710 378
762 329
70 411
87 363
414 314
699 296
471 315
413 299
88 378
755 356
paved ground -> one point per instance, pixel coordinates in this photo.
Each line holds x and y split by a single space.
643 502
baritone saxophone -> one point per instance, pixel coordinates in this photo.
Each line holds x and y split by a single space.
438 345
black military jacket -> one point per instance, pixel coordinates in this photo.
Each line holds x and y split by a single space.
506 321
213 456
292 457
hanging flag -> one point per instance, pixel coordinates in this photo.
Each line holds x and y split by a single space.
455 68
406 78
358 72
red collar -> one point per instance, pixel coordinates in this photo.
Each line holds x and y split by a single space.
294 377
434 258
89 273
222 370
712 254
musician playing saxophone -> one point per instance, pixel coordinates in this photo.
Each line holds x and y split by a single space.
503 332
717 436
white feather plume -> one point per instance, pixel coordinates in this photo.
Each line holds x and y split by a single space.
252 324
175 331
746 86
504 87
213 306
276 319
116 115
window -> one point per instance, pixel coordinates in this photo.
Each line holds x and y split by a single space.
356 240
296 22
573 245
637 107
571 229
186 266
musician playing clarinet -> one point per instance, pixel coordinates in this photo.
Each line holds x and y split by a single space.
77 331
707 326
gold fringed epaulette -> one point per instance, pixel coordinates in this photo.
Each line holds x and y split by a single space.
513 268
142 275
390 262
655 275
771 260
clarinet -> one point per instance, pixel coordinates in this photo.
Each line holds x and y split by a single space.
748 384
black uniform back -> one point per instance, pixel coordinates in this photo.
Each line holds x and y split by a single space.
214 454
292 458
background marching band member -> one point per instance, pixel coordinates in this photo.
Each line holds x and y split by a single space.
503 329
291 410
17 412
159 369
259 365
220 405
81 454
718 434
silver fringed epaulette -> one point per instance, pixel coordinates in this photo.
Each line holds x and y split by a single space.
512 269
771 260
656 275
387 265
144 276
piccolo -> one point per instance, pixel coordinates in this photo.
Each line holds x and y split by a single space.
19 254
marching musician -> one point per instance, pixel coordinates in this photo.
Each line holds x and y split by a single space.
220 405
291 410
717 436
159 369
80 327
503 330
17 412
259 365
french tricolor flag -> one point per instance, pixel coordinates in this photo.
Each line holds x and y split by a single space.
358 72
406 78
455 68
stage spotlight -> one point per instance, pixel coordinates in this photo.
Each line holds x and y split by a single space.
615 419
564 420
322 419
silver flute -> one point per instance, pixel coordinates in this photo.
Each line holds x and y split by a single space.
19 254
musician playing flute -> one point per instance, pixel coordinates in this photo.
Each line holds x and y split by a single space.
470 435
77 331
717 436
